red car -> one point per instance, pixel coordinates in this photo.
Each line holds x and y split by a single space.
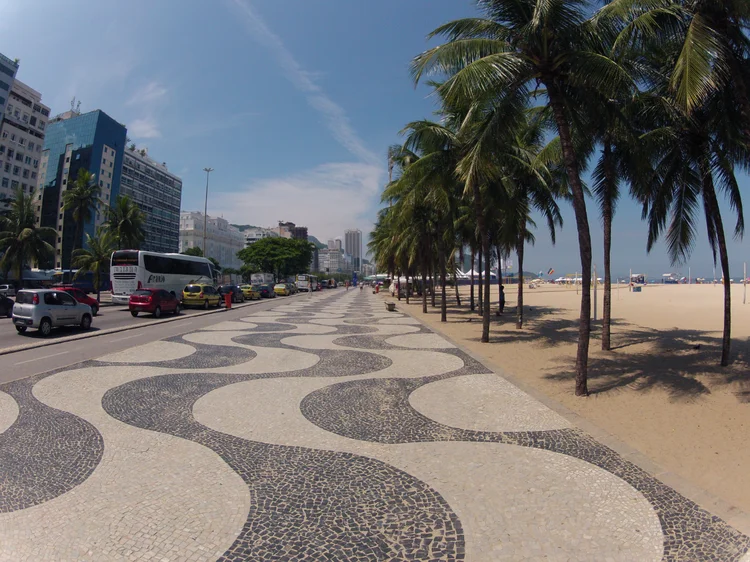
81 297
154 301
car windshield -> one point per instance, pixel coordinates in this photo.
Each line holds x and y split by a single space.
281 286
24 298
142 293
193 289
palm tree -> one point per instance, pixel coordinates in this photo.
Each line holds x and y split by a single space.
21 241
95 258
517 45
126 220
81 200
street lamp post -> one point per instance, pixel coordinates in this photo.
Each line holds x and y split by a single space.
205 212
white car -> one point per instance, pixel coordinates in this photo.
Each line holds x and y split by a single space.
44 309
8 290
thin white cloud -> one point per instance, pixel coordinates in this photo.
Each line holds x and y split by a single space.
335 116
327 199
145 128
148 94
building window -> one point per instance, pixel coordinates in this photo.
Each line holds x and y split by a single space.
11 152
36 163
5 182
41 125
32 121
25 173
2 149
33 175
31 146
61 215
19 156
67 159
7 167
14 184
22 142
27 160
16 170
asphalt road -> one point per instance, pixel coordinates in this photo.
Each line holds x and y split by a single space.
38 360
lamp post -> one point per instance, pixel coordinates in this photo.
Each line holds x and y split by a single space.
205 212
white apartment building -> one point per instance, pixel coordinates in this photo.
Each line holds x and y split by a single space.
335 244
8 70
252 235
333 261
158 193
223 240
353 247
22 131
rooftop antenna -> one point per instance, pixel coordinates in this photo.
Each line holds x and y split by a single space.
78 107
73 104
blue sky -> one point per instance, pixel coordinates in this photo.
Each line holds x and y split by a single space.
293 102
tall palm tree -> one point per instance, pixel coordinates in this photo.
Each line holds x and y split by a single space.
21 241
518 44
81 199
126 220
95 258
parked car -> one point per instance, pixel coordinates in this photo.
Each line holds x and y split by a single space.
8 290
6 306
80 296
292 288
235 290
200 295
250 291
44 309
153 301
266 291
281 289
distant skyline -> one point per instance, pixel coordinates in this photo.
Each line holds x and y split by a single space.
293 103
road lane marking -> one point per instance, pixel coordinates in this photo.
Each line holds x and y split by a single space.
44 357
127 338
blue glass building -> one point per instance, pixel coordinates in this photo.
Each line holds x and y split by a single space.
92 141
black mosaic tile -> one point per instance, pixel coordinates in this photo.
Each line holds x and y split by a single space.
306 504
378 410
205 356
45 453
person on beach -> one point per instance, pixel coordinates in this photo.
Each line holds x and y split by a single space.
502 298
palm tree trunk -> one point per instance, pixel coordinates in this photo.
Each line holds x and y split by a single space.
398 285
406 289
499 279
584 233
607 213
519 254
424 286
455 273
472 305
487 285
455 286
432 281
480 287
443 303
713 213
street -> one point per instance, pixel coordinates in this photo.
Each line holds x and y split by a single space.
313 428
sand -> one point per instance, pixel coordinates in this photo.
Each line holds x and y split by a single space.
661 390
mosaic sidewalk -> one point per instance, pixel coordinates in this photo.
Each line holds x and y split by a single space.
323 429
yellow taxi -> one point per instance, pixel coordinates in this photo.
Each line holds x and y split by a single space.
281 289
251 292
199 294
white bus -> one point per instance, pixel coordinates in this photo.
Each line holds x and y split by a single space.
304 282
136 269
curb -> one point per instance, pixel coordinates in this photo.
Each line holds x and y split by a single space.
731 514
86 335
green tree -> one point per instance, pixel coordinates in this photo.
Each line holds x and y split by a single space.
126 220
95 257
21 241
194 251
517 45
81 200
280 256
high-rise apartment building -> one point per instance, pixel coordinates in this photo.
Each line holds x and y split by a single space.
158 193
22 131
353 247
91 141
223 240
8 70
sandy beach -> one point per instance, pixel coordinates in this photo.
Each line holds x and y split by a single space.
661 390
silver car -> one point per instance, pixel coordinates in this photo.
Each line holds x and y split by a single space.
44 309
8 290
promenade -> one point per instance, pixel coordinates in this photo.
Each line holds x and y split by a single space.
324 428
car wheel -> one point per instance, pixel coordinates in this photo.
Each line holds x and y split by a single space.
20 329
177 310
95 310
133 313
205 304
45 327
157 312
86 322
